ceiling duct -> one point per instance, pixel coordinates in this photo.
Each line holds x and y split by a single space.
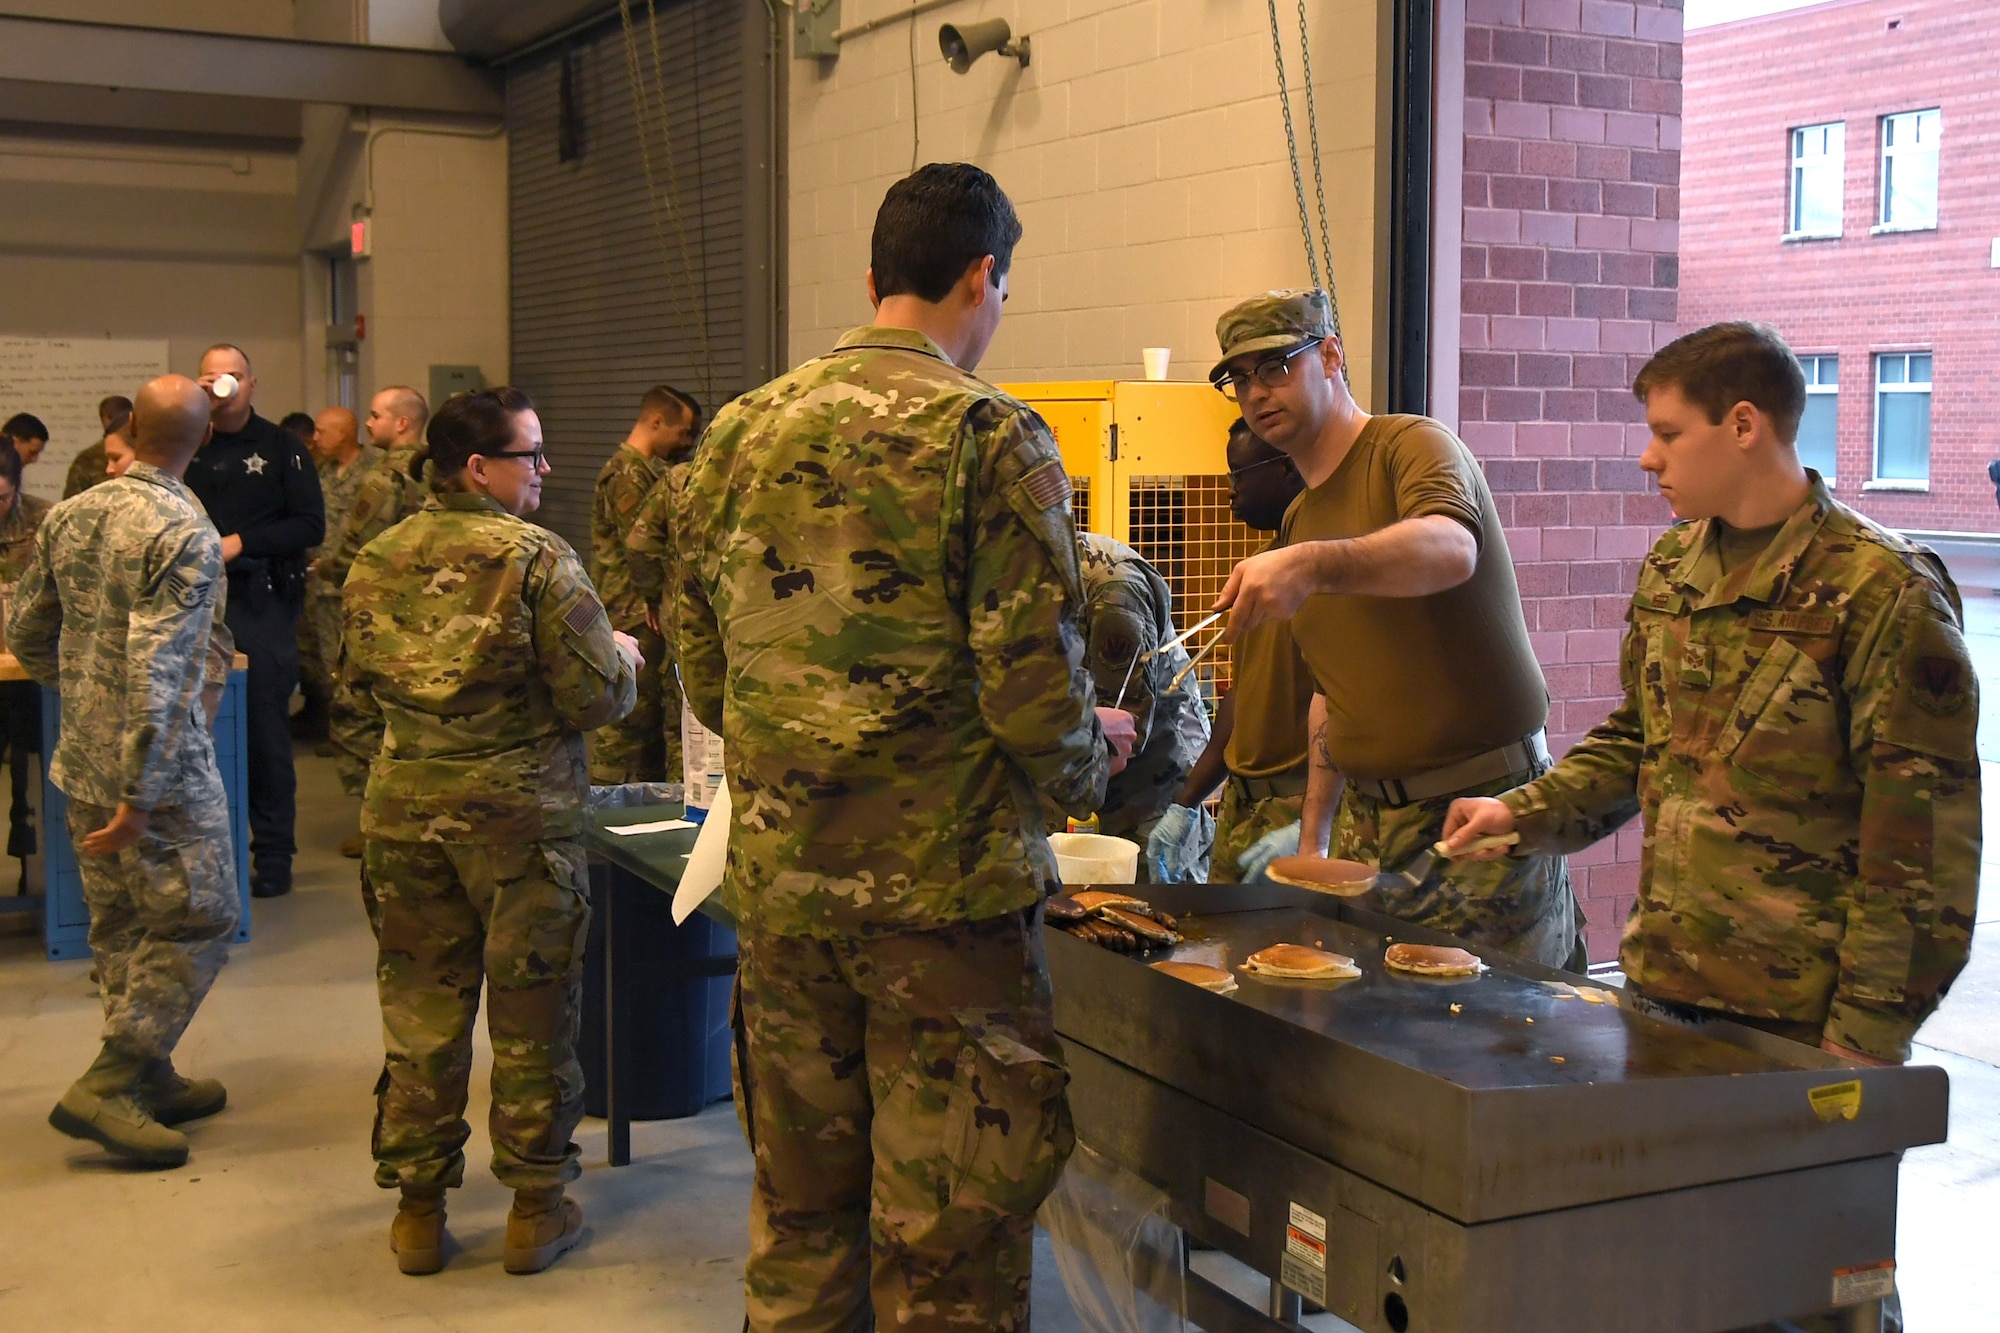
499 29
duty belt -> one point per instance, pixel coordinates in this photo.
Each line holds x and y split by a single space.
1519 757
1264 789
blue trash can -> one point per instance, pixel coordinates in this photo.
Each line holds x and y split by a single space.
674 985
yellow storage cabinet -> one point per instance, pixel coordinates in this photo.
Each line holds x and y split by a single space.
1147 460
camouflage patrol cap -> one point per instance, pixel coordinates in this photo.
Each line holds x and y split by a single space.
1273 320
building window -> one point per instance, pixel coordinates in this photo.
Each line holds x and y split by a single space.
1816 168
1818 427
1903 416
1910 170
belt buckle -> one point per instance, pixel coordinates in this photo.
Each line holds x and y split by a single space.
1394 794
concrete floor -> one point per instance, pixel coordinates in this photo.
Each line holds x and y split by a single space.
276 1223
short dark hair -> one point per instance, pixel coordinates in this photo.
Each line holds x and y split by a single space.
10 465
300 425
1741 361
664 397
478 422
934 224
25 426
114 405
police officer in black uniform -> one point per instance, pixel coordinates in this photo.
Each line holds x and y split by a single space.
262 492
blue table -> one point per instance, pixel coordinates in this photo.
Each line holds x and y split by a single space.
65 918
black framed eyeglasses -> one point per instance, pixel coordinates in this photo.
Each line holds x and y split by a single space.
1245 471
539 456
1271 372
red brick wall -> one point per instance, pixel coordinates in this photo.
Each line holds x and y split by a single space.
1748 84
1568 282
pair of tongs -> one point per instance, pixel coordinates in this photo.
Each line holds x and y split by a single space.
1138 656
1413 875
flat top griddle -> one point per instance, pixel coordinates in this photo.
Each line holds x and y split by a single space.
1478 1114
1497 1030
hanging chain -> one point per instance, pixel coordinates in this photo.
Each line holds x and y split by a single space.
673 191
1319 177
642 110
1292 144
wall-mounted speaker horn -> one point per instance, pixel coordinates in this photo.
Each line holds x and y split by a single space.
963 44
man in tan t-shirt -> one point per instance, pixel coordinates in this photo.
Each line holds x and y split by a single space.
1396 578
1257 750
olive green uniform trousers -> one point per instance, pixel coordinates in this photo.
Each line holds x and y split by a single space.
904 1098
449 917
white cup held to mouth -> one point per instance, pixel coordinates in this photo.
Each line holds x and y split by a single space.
223 387
1157 359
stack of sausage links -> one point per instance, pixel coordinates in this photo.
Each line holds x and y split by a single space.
1113 920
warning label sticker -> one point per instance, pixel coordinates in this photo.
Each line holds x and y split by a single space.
1307 1281
1865 1282
1836 1101
1310 1222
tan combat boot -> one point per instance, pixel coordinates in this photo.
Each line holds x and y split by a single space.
417 1234
174 1100
541 1227
104 1107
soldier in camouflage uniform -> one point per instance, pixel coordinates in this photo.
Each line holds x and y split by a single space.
389 494
342 462
878 612
1257 753
634 750
1796 732
650 556
478 650
21 518
1128 612
121 610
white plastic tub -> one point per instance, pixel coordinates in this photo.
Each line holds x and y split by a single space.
1093 858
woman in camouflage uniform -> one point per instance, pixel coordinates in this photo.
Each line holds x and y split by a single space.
21 518
474 642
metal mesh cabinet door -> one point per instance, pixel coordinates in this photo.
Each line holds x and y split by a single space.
1172 488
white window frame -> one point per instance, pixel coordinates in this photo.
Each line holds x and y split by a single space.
1815 365
1806 164
1924 139
1881 483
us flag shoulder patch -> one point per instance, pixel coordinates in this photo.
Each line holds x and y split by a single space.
583 615
1047 485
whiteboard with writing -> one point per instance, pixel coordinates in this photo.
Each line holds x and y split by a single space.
61 381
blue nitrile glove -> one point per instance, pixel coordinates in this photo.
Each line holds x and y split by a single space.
1167 845
1278 842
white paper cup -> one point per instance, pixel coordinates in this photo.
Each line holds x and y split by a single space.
1093 858
1157 359
224 387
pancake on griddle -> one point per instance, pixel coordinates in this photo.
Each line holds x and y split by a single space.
1198 974
1433 960
1092 899
1342 879
1301 962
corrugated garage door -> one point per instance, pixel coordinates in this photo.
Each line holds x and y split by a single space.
610 296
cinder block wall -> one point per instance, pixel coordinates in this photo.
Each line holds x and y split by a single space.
1142 146
1568 280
